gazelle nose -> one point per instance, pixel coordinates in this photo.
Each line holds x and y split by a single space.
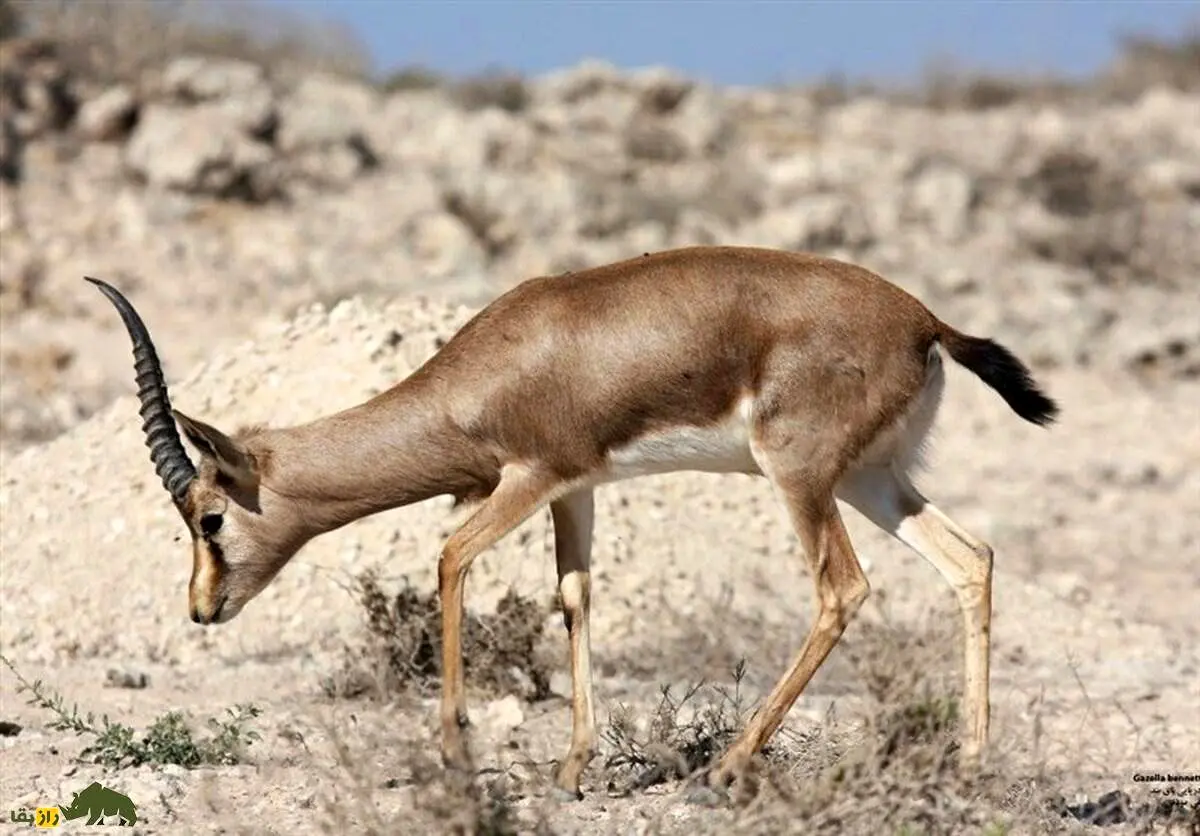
200 618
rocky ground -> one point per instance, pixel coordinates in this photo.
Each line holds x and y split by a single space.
226 202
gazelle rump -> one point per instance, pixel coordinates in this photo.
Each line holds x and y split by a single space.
816 374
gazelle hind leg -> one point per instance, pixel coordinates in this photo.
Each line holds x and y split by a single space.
573 517
889 500
520 493
841 588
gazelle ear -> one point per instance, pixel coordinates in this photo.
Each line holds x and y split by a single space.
231 458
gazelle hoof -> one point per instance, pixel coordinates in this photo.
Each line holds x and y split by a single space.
566 796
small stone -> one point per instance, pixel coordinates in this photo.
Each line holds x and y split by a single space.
109 116
126 679
504 715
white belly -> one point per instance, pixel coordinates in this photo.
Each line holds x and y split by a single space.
718 448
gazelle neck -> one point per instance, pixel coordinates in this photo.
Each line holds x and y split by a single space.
396 449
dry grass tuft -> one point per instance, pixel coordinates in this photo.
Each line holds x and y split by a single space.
402 652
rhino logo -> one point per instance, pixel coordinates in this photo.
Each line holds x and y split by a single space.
97 802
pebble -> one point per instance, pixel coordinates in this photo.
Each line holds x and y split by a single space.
503 715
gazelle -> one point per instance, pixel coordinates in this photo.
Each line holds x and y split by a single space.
819 375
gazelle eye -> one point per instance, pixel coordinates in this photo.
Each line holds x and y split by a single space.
210 524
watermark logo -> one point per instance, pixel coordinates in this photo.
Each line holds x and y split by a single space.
96 803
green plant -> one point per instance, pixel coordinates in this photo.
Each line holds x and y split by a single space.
169 740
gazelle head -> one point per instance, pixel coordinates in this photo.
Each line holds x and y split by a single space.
242 532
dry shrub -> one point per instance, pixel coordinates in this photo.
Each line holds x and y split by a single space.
947 89
1096 222
10 20
504 90
411 78
610 207
484 221
1144 62
402 651
836 89
117 40
1072 183
688 730
650 140
685 735
947 85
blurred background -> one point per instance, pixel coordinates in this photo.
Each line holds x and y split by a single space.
226 162
751 42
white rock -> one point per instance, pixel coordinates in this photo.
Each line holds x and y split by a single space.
107 116
504 715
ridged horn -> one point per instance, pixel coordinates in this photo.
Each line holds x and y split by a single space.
170 459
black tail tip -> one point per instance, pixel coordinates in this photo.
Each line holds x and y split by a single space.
1000 369
1015 384
1038 408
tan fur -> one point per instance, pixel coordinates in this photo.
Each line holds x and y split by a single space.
819 375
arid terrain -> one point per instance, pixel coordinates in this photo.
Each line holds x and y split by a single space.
299 240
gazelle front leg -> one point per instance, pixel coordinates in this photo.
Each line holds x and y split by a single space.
573 517
521 492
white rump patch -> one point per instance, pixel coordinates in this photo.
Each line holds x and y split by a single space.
904 443
723 447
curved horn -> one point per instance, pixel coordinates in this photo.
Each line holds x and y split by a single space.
170 459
